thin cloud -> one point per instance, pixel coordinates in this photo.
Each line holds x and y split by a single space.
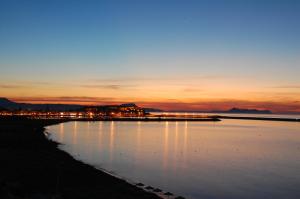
8 86
288 86
192 90
125 79
109 86
157 78
63 99
29 82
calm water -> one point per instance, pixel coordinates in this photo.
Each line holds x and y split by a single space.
294 116
233 159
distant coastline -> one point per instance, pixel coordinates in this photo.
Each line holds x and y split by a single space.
6 105
231 111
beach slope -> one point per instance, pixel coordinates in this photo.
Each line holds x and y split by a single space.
33 167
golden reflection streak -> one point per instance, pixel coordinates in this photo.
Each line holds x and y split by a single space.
166 146
138 140
175 146
111 140
185 141
139 134
100 126
74 140
100 134
61 133
74 137
88 125
89 146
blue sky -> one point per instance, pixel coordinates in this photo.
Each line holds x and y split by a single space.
67 41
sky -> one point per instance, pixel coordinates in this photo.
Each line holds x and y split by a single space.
173 55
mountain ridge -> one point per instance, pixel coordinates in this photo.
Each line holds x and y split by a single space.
11 105
6 104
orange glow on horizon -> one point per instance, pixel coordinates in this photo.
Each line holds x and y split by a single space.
171 105
176 93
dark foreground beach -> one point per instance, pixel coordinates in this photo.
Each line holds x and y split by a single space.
33 167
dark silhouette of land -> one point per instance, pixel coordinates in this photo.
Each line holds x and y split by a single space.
232 110
260 118
33 167
10 105
7 104
162 119
248 111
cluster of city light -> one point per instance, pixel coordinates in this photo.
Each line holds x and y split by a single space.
87 112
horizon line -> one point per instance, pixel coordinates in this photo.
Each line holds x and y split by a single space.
207 106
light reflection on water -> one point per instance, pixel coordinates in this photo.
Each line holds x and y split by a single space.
230 159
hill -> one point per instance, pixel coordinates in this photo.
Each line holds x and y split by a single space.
10 105
249 111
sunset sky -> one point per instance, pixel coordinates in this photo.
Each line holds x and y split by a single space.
174 55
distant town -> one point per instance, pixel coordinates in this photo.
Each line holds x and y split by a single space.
10 108
123 110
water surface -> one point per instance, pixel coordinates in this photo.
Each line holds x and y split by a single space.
234 159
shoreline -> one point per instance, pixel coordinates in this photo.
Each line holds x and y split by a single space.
176 118
34 167
163 118
160 194
137 119
260 118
